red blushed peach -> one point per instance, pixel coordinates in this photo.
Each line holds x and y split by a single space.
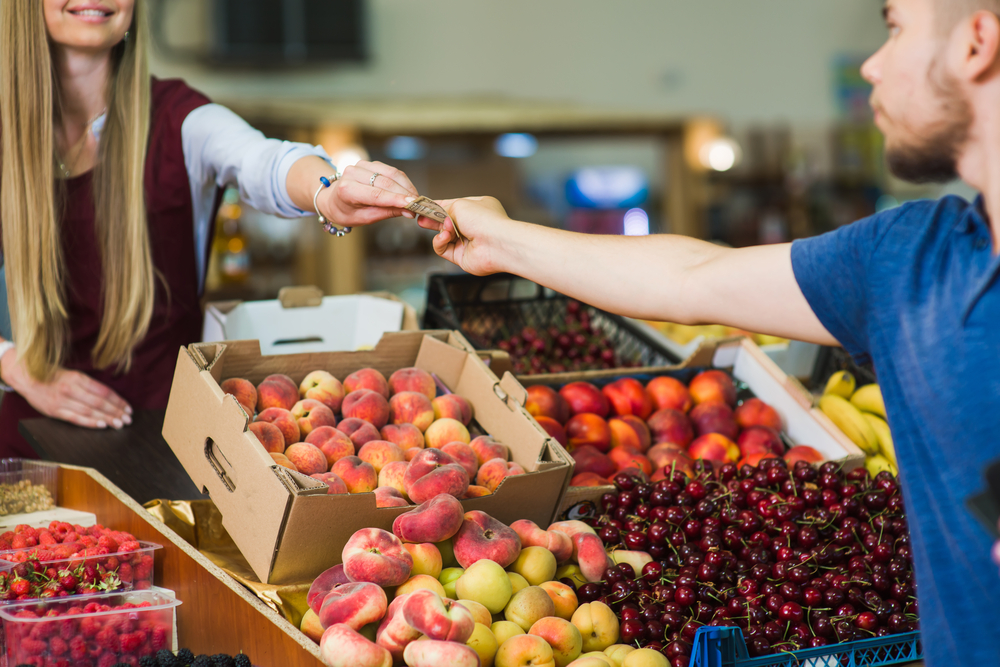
285 422
760 439
432 472
333 443
544 401
714 447
443 620
406 436
412 452
671 426
554 429
755 412
713 386
433 521
588 429
624 457
588 479
336 484
394 633
277 391
359 431
367 378
358 475
590 554
412 379
589 459
378 557
585 397
341 646
532 535
379 453
355 604
269 436
487 449
629 431
283 461
627 396
445 430
368 405
453 406
391 475
307 458
666 453
714 417
492 473
482 536
243 391
465 457
386 496
323 584
669 393
755 458
411 407
323 387
476 492
802 453
433 653
310 414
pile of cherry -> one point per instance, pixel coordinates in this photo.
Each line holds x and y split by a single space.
797 558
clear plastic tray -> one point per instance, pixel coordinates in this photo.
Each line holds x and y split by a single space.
27 485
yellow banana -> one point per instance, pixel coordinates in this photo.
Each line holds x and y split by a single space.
878 463
841 384
884 435
869 399
849 420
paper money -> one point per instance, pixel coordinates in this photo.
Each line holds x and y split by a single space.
428 208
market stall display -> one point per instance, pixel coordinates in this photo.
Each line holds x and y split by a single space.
860 413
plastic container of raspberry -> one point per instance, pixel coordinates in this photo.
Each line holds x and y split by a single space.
95 630
123 570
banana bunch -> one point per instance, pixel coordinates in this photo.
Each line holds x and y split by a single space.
860 413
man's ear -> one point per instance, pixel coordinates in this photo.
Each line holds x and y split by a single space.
982 47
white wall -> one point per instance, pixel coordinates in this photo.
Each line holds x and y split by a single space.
746 60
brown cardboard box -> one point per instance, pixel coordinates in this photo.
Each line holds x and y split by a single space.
284 523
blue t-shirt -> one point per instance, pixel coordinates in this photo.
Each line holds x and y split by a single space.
915 290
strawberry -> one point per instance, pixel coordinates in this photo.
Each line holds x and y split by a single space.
67 580
20 587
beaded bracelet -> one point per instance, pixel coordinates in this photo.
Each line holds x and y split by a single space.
327 225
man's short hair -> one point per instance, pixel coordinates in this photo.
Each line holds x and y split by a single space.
951 12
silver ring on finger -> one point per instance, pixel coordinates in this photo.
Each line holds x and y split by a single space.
371 181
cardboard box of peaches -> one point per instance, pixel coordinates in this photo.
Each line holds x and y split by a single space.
300 451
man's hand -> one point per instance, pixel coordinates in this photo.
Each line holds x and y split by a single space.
482 221
356 200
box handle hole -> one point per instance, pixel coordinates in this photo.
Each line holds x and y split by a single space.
294 341
211 452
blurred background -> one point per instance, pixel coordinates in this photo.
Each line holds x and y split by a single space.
739 122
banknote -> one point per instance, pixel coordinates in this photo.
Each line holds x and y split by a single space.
428 208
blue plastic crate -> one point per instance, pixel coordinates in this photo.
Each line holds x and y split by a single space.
725 647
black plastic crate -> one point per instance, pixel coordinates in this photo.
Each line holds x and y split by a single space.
491 309
833 359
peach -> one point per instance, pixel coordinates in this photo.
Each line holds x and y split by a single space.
421 582
504 630
668 392
584 397
464 455
283 461
597 624
376 556
753 458
285 422
412 452
714 447
243 391
386 496
481 536
589 459
406 436
630 431
572 528
323 387
310 626
713 385
802 453
453 406
564 599
588 549
480 614
269 436
671 457
588 479
525 651
358 475
760 439
627 396
435 520
394 633
445 430
342 646
544 401
412 379
307 458
492 473
535 564
713 417
359 431
367 405
440 619
672 426
531 535
755 412
336 484
564 638
626 457
527 606
554 429
310 414
434 653
411 407
379 453
586 428
367 378
277 391
333 443
426 559
391 476
356 604
432 472
323 584
486 448
476 492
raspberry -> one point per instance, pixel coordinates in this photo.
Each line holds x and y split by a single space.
47 539
89 627
108 542
19 542
67 630
131 641
128 547
107 639
159 639
33 646
58 646
107 660
77 648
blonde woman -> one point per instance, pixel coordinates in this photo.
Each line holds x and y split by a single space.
110 181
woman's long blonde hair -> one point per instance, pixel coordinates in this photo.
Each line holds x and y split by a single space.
30 206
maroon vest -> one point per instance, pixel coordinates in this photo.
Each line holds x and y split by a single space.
177 316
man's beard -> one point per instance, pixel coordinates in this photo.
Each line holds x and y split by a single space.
933 158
